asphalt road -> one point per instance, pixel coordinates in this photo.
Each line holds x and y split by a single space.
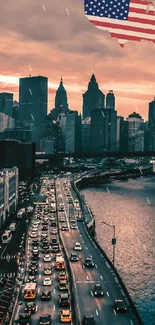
42 307
101 308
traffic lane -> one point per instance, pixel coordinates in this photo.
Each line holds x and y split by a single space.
13 246
110 282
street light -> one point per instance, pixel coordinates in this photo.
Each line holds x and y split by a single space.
113 239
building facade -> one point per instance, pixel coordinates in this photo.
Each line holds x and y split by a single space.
135 132
151 125
9 181
6 103
97 130
86 135
110 100
73 132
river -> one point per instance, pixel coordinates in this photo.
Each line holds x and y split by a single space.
130 206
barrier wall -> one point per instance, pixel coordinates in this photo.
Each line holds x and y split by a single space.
136 315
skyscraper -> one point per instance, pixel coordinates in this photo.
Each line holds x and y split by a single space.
33 99
110 100
93 98
98 130
6 103
151 124
61 105
73 132
135 132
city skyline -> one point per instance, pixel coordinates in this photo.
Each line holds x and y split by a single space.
73 50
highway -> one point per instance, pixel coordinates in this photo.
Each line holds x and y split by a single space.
50 307
84 278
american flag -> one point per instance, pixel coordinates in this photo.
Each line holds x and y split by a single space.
126 20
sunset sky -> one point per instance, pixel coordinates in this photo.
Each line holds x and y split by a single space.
55 39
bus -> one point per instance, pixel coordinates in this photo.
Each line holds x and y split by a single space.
30 290
20 213
60 263
6 237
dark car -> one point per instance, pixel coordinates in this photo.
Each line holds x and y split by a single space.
33 270
34 263
74 257
98 290
54 241
24 318
88 320
32 278
46 295
64 228
88 262
120 306
45 319
35 242
55 249
30 307
64 300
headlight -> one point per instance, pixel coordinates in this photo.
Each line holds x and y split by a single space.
101 292
95 293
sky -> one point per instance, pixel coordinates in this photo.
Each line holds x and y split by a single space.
54 38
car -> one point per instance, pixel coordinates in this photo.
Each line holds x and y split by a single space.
33 270
35 242
64 300
62 276
24 318
120 306
62 219
74 257
31 278
63 285
47 270
2 280
44 235
55 249
54 241
35 251
65 316
78 247
45 319
34 229
30 307
73 226
88 320
47 281
46 295
47 258
54 231
34 263
64 228
58 254
88 262
98 290
33 235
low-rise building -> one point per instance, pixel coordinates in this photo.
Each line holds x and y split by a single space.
9 180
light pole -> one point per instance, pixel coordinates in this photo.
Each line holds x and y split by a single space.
113 239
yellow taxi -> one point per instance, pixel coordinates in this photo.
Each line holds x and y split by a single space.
65 316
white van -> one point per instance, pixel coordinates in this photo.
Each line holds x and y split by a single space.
12 226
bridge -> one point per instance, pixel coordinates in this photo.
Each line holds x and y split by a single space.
126 154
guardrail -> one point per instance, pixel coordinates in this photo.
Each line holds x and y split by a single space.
74 300
136 316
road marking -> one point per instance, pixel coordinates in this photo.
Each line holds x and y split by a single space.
114 312
54 290
107 293
96 312
54 307
40 265
96 266
87 277
39 276
91 256
92 293
38 290
36 307
83 282
101 277
131 322
86 247
54 275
